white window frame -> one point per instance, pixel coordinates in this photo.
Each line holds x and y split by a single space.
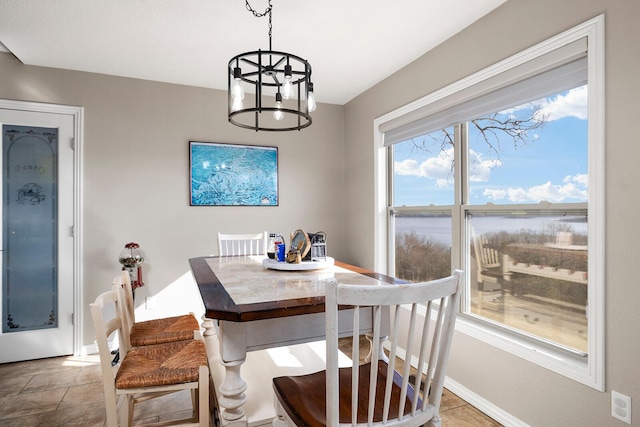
587 370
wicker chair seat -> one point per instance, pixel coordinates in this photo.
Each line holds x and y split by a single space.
165 330
162 364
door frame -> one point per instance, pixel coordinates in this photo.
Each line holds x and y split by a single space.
78 126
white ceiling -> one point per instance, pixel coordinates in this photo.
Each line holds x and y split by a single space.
351 44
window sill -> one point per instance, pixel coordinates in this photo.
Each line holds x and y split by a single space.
573 365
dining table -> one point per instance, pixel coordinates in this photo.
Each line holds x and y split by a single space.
253 303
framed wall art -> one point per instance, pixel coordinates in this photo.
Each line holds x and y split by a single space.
233 175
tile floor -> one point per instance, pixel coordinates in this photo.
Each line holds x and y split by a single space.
67 391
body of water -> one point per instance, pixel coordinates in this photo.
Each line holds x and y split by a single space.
439 228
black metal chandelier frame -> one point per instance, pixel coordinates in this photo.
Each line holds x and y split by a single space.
268 69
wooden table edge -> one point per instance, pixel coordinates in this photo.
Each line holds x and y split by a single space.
219 304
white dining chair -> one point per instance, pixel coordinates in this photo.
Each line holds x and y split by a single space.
377 393
147 372
242 244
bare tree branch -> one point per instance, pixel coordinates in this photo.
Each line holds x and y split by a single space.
517 129
491 128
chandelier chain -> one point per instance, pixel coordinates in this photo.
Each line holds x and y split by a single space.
262 14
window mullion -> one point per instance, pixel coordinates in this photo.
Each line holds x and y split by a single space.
460 196
462 159
391 230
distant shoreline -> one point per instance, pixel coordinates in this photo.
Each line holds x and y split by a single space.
438 227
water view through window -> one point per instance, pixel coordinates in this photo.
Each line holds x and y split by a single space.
523 214
527 272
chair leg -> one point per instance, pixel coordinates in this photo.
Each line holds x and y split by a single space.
280 419
194 403
126 411
111 404
436 421
203 396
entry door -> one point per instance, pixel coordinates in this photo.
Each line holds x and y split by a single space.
37 235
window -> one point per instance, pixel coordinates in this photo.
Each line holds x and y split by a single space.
502 174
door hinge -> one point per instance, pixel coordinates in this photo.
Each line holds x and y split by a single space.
73 231
73 318
73 143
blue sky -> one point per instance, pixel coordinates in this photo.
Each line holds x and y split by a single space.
552 166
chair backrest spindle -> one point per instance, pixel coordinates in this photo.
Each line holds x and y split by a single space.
424 344
242 244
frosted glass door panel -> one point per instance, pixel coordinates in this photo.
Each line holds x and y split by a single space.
29 277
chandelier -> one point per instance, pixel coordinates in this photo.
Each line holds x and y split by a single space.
270 90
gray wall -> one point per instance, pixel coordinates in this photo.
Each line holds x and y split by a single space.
530 393
136 177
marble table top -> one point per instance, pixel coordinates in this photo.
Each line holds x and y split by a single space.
241 289
248 282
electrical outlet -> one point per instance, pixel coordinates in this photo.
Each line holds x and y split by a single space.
621 406
150 303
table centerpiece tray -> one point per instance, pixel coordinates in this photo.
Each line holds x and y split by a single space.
303 266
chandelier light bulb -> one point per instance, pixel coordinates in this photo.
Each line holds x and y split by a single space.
237 104
278 114
237 92
287 89
287 86
311 99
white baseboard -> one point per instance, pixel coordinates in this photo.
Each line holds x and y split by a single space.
89 349
472 398
483 405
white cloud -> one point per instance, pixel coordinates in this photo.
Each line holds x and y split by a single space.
439 168
580 179
572 104
481 169
574 187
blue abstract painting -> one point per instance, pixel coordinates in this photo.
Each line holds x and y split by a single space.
233 175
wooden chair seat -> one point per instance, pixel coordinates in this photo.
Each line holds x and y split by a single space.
165 330
305 396
162 364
